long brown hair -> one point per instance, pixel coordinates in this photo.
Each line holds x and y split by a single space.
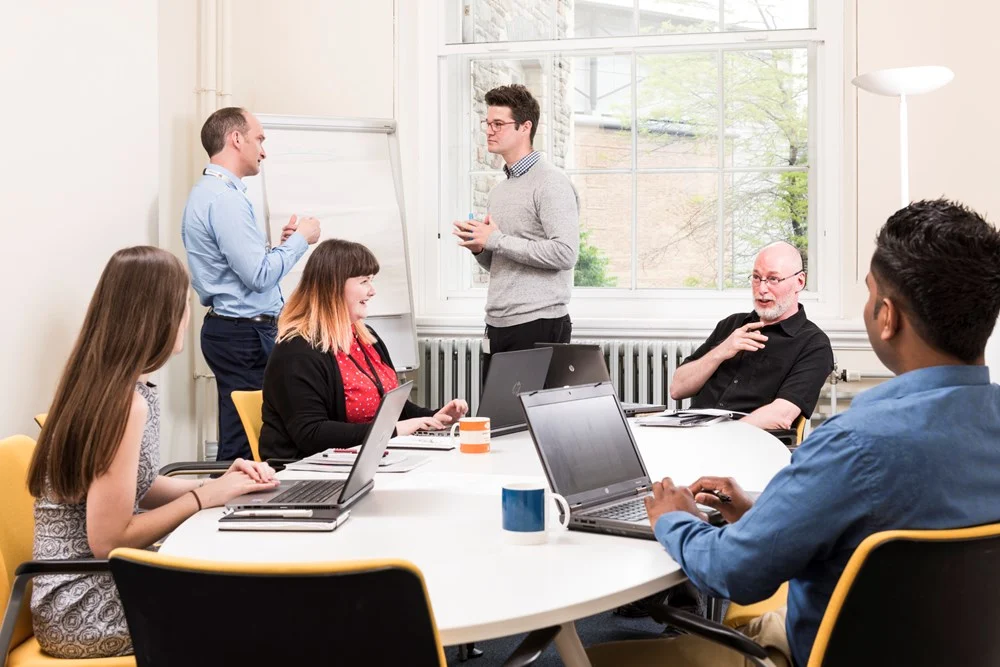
130 329
316 310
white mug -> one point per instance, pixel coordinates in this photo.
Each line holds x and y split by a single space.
525 510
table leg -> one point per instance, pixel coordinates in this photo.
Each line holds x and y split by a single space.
570 647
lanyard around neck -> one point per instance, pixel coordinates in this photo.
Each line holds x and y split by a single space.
375 380
222 177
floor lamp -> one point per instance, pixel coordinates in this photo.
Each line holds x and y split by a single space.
902 82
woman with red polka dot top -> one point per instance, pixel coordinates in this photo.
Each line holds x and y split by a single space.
329 370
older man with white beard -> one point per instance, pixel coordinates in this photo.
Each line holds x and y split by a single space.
770 363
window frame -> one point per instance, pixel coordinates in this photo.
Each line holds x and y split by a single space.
448 299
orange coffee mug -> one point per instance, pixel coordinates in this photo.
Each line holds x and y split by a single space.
473 434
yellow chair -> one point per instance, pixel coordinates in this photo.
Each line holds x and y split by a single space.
17 527
907 597
249 405
373 612
40 419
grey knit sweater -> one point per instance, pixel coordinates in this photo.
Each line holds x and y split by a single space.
532 254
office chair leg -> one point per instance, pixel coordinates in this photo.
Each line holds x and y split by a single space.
468 651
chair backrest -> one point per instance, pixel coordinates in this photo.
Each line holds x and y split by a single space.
799 426
249 406
920 597
344 613
17 522
40 418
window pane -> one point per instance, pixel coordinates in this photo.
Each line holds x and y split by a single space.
767 107
767 14
678 110
658 17
513 20
605 230
678 230
762 208
602 110
488 74
603 18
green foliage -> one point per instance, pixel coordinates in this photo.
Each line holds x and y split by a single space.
592 266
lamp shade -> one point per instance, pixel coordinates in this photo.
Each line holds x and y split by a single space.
904 80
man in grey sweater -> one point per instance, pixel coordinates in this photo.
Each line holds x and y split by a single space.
530 239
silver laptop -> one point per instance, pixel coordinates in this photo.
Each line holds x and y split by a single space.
337 493
510 374
590 457
575 364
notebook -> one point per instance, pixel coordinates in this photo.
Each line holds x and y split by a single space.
318 520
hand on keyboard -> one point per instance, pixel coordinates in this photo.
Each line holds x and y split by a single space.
410 426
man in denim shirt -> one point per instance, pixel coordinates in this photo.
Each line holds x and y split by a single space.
919 451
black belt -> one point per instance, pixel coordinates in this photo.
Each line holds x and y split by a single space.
256 319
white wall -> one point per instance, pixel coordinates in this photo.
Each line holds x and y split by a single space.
78 179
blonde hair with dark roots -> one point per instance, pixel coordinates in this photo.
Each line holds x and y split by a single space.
316 310
130 329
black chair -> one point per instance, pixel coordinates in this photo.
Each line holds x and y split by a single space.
907 597
340 613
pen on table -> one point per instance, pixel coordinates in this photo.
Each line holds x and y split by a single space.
347 451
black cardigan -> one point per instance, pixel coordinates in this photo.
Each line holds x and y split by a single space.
304 407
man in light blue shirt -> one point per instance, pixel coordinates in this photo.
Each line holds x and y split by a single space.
919 451
233 269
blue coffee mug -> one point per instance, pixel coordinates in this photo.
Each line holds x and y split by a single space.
525 507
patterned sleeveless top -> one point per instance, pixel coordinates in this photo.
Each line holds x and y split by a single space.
81 616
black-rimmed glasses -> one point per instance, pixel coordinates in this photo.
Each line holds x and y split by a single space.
772 281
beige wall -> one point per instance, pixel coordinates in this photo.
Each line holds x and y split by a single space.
953 131
314 57
78 179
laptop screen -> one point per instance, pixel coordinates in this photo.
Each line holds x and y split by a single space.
376 441
585 442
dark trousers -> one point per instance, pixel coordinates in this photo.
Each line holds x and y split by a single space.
237 353
524 336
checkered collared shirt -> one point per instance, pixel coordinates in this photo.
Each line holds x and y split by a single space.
521 167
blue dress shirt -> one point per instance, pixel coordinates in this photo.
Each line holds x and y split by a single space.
232 268
920 451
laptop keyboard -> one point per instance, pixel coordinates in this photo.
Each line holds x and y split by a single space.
311 491
633 510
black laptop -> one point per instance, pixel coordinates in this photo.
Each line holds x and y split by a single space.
337 493
575 364
590 457
510 374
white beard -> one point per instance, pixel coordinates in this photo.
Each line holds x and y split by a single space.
776 310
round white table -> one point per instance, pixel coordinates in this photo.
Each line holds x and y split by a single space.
445 517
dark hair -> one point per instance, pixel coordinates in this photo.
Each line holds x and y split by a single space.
316 310
219 125
940 261
130 329
523 106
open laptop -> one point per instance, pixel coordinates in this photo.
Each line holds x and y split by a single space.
337 493
510 374
574 364
590 457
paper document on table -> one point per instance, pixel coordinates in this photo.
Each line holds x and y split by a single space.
400 463
426 442
347 457
689 418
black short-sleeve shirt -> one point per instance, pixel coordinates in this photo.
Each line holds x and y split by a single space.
794 364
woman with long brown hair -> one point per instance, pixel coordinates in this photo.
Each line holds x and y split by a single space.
327 374
96 461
